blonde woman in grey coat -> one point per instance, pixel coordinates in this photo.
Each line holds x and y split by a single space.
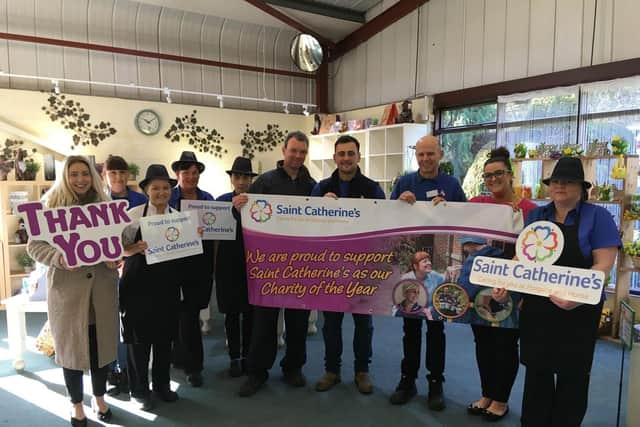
82 301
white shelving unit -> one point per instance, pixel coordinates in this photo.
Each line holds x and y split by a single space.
387 151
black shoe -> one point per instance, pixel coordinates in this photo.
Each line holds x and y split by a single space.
114 391
405 391
252 385
475 410
294 378
113 378
235 368
102 416
166 395
491 417
79 423
146 403
435 398
195 379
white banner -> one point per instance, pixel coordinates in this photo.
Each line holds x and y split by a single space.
84 234
170 236
215 218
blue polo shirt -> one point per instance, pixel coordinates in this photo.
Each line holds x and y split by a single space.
176 196
133 197
444 185
226 197
596 230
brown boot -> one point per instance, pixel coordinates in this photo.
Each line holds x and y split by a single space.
328 380
363 382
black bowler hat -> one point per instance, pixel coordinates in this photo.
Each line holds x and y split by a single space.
568 169
156 172
242 166
188 158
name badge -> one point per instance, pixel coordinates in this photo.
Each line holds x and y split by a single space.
431 194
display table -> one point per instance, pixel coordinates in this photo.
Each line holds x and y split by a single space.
16 307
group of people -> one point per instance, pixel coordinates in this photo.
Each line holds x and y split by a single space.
159 303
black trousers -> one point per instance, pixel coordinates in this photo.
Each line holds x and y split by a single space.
412 346
238 327
138 367
73 378
188 350
264 342
332 334
498 360
554 400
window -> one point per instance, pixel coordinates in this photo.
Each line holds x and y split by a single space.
467 133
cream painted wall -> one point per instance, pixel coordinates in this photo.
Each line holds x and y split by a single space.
22 109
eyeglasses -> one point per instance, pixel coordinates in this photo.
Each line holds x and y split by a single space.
497 174
563 181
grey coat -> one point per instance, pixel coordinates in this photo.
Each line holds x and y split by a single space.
75 300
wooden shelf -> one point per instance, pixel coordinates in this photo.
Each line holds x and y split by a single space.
580 157
19 274
17 245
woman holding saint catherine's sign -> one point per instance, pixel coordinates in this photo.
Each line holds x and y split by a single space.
496 348
82 301
557 336
149 298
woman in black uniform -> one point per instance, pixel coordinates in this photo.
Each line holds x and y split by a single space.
557 337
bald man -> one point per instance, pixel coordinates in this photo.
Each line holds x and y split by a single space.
427 184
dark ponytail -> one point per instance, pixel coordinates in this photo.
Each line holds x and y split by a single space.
499 154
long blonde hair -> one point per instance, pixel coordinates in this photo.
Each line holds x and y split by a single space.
61 193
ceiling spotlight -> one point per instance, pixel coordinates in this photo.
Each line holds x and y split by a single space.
220 102
285 108
56 87
305 110
167 94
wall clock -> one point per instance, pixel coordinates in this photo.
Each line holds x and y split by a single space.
147 122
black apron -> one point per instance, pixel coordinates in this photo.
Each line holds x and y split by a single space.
553 339
149 299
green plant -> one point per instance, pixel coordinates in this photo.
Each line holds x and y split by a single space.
134 169
632 248
618 145
25 260
32 166
520 151
446 168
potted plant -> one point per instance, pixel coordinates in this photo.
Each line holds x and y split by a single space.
520 151
31 171
134 170
618 145
632 249
25 262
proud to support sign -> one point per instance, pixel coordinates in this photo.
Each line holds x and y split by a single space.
215 218
357 255
170 236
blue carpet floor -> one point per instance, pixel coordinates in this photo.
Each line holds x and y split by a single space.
37 396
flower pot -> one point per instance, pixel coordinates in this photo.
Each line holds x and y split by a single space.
28 268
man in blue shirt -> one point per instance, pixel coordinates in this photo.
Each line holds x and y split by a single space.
427 184
347 181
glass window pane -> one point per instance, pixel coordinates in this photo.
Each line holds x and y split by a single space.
626 126
469 116
543 107
619 95
467 152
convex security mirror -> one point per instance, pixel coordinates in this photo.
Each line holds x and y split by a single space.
306 52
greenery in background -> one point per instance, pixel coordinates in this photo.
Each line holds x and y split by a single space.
134 170
261 140
446 168
74 117
24 260
199 137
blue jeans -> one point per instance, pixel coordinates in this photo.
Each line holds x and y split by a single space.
362 336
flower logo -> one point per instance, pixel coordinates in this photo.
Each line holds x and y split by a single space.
261 211
172 234
541 241
208 218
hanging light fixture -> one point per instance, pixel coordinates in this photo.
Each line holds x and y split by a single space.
285 107
220 101
167 94
305 110
56 87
